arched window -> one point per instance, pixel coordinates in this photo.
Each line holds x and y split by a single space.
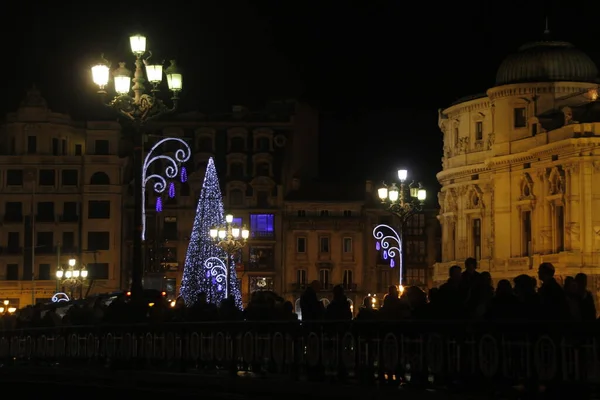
263 144
201 166
99 178
263 169
205 144
236 170
237 144
236 197
325 302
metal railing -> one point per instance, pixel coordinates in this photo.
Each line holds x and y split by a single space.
426 353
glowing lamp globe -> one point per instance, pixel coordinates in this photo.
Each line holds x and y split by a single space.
245 233
222 234
76 273
393 193
214 232
122 78
84 273
72 262
68 274
174 77
235 232
138 44
421 194
60 273
402 174
229 218
382 192
154 72
100 74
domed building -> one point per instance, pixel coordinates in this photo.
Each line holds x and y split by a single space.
521 168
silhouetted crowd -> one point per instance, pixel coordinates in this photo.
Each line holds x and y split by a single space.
467 295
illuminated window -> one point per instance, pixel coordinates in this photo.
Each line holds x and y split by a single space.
520 117
262 225
479 130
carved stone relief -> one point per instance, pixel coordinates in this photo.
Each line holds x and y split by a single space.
556 181
526 187
490 141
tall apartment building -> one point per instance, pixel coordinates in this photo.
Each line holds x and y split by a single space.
328 230
60 190
257 155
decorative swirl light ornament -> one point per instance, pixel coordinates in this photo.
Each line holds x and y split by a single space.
60 296
171 171
390 242
215 268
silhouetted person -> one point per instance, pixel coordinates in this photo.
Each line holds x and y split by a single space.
529 300
450 298
393 307
504 305
366 312
310 306
552 297
587 304
339 308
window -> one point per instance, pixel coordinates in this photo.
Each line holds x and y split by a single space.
45 242
31 144
44 272
526 249
347 213
301 245
99 209
13 242
55 146
69 211
520 117
476 235
236 197
415 251
98 240
347 245
263 144
45 211
479 130
324 213
68 242
324 278
262 199
237 144
301 277
205 144
324 244
12 272
236 170
262 225
261 257
13 211
559 221
301 213
63 146
456 136
69 177
415 276
102 147
384 279
348 281
185 189
169 228
78 150
99 178
263 169
47 177
97 270
171 287
237 221
14 177
415 225
534 129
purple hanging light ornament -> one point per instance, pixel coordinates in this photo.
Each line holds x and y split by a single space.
171 190
377 246
385 255
159 204
183 174
392 263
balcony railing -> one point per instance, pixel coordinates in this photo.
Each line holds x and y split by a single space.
13 218
45 218
262 235
69 218
260 266
11 250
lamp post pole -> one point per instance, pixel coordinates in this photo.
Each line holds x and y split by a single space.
137 110
230 238
404 202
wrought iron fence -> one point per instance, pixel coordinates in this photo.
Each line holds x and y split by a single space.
426 353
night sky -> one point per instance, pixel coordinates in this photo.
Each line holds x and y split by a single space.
377 72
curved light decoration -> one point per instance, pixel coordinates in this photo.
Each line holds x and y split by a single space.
390 242
60 296
171 171
218 271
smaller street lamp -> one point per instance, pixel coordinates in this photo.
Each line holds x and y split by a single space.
73 276
7 307
230 238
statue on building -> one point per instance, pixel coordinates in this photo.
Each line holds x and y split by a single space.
34 98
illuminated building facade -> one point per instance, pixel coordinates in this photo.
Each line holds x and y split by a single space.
60 198
521 167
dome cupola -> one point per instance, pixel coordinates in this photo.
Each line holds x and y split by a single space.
547 61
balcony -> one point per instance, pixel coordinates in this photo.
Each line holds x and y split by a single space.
349 287
261 265
45 249
13 218
265 235
11 250
41 218
298 287
69 218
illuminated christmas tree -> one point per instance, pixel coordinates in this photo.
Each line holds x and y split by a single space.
204 269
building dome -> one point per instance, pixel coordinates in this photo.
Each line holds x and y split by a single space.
547 61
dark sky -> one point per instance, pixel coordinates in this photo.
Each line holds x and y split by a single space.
377 70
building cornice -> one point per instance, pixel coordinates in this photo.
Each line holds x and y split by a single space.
525 89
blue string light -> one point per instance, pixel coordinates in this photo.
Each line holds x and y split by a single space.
183 174
159 206
171 190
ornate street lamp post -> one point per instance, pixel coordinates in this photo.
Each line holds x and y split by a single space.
230 238
404 202
72 277
137 111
